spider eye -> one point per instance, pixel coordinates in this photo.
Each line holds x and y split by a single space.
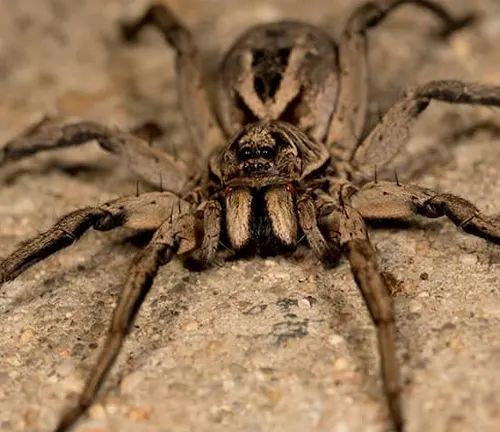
245 153
267 152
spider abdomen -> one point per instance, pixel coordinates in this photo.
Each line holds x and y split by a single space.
284 70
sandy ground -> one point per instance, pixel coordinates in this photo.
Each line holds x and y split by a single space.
255 345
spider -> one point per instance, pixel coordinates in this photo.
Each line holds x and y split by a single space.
279 159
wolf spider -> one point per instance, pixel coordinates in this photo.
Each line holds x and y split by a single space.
290 107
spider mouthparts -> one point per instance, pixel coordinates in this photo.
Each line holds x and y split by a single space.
257 167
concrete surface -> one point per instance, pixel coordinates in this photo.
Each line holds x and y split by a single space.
256 345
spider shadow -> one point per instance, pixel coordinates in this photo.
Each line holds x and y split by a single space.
84 341
417 165
415 223
124 243
345 319
81 171
89 170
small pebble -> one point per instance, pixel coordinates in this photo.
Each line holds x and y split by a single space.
64 352
408 287
97 411
270 263
335 339
260 376
190 326
40 275
424 294
421 247
424 276
243 305
456 344
53 379
468 259
415 307
273 395
94 429
228 385
303 303
112 408
346 375
27 335
461 47
341 364
214 346
140 413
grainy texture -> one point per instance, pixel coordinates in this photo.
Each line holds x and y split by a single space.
252 345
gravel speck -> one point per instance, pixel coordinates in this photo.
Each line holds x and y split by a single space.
335 339
303 303
68 55
424 276
190 326
468 259
140 413
27 335
97 411
340 364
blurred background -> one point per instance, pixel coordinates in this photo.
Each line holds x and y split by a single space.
259 345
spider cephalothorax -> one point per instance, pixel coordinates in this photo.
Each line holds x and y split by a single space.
266 153
281 162
258 172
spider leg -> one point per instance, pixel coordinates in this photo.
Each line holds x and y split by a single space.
362 258
211 231
144 212
176 235
150 163
386 200
327 249
388 137
333 226
193 97
348 121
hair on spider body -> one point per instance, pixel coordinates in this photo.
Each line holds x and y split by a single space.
286 70
260 221
295 103
258 172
